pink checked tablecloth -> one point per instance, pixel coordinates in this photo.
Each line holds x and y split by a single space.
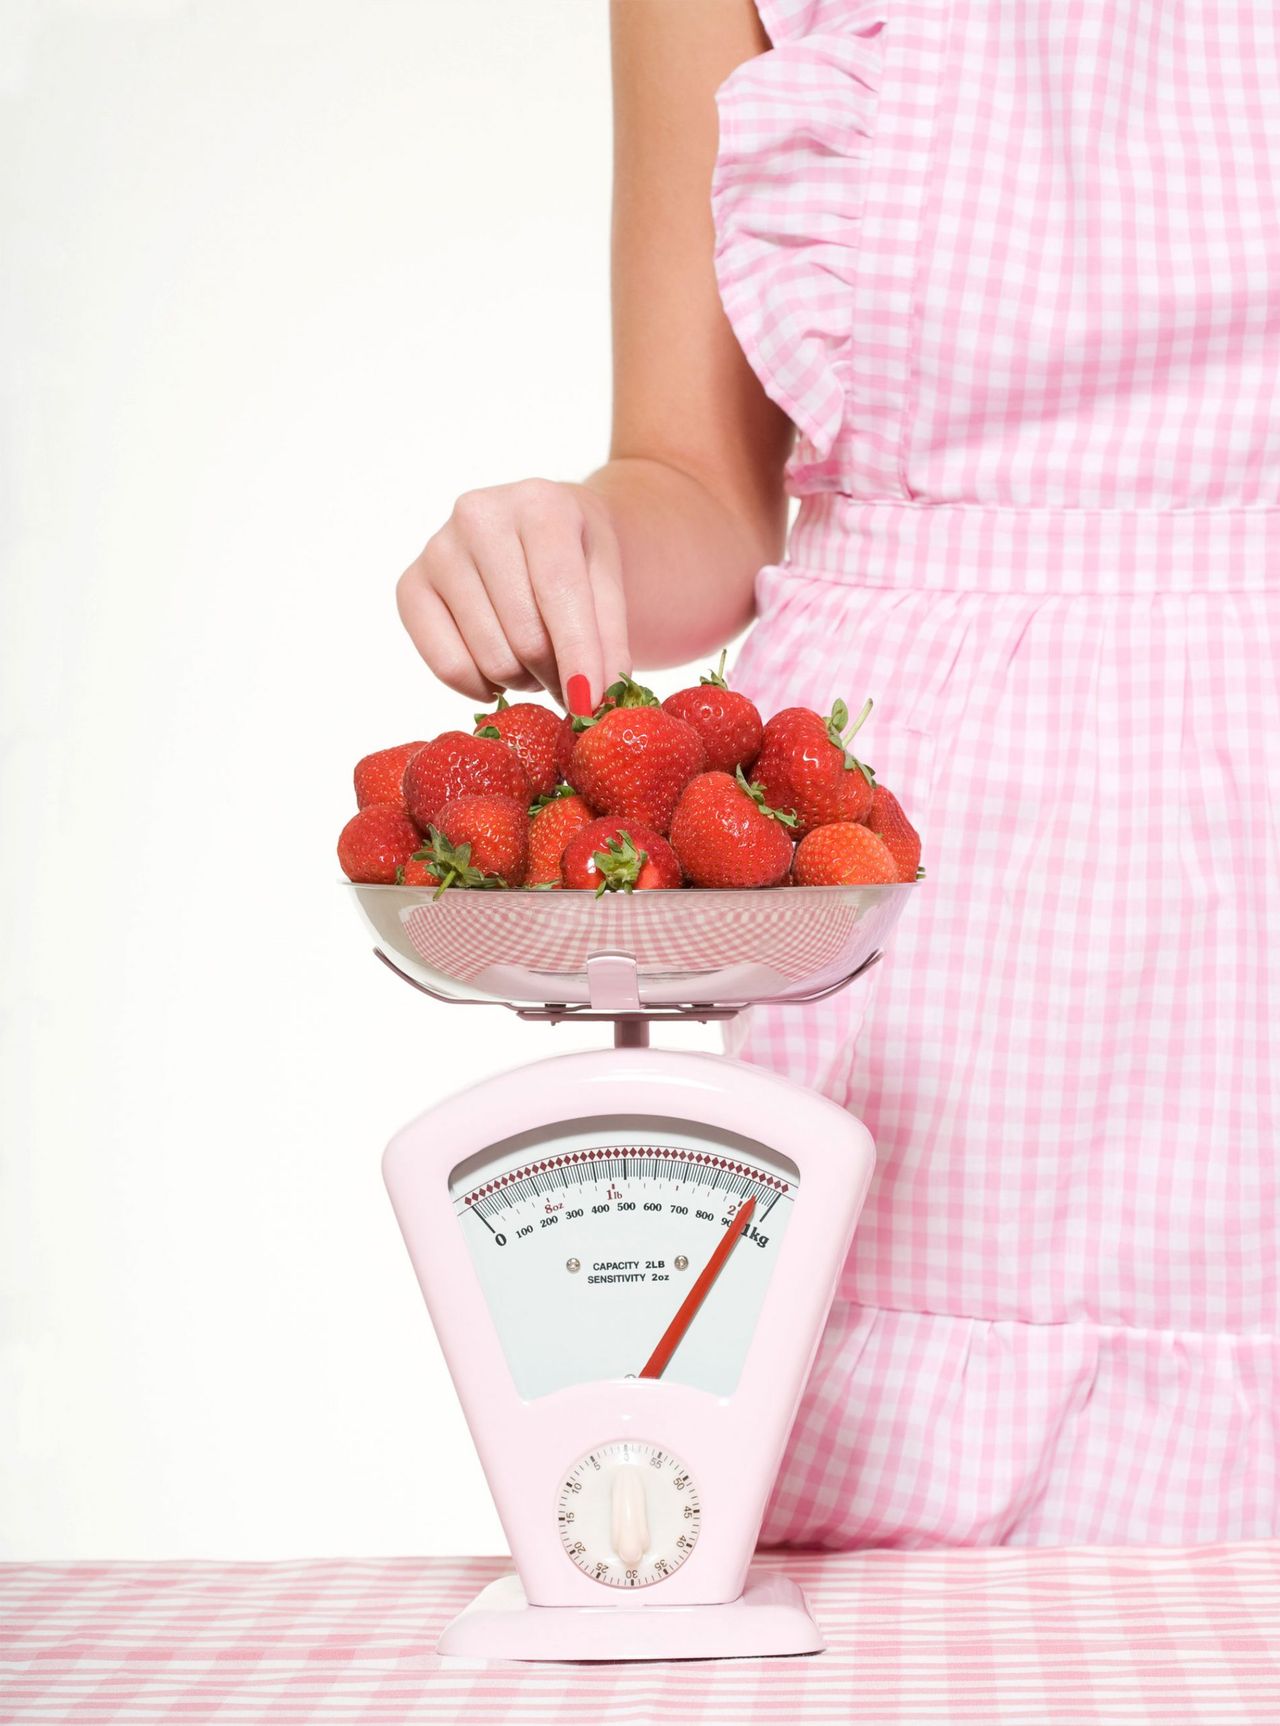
994 1635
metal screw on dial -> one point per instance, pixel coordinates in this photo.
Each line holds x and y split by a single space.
681 1262
573 1264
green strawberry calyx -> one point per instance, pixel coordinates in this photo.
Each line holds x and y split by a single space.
787 817
490 731
500 706
626 692
619 862
715 679
452 863
552 796
840 731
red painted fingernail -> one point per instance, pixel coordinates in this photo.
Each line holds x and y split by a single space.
579 693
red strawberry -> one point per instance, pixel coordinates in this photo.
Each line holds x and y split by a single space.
635 762
565 740
624 693
725 835
379 776
455 765
552 827
533 732
888 820
416 874
728 724
804 766
377 842
480 841
843 854
614 856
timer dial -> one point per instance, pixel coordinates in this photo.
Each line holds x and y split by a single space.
628 1514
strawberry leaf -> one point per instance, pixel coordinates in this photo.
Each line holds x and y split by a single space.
840 731
787 817
619 862
453 865
715 679
552 796
626 692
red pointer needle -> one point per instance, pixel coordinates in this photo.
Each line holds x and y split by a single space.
658 1361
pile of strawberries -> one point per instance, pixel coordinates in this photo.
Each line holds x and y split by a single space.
696 790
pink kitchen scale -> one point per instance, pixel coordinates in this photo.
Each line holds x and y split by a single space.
628 1255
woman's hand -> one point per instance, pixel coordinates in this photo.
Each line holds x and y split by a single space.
521 589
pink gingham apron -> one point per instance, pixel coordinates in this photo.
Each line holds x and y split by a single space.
1014 271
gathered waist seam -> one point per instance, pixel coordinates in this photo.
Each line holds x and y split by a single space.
1266 1338
940 506
998 548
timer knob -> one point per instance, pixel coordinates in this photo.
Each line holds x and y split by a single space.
630 1529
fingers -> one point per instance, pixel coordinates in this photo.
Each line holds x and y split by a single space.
503 568
604 566
437 638
460 586
553 533
521 589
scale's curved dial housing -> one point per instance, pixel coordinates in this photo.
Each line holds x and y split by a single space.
587 1237
561 1218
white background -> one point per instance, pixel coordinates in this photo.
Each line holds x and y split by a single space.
281 278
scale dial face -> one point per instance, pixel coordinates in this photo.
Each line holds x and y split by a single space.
629 1514
587 1237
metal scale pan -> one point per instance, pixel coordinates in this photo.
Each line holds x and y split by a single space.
688 947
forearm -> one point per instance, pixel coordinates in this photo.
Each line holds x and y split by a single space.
652 560
694 486
689 559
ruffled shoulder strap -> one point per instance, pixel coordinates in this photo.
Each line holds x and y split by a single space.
796 126
788 20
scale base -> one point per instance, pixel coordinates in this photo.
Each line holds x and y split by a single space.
769 1617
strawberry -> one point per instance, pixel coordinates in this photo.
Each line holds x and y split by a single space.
635 762
725 834
615 856
416 874
843 854
455 765
803 766
377 842
480 841
888 820
728 724
379 776
554 824
533 732
624 693
566 737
